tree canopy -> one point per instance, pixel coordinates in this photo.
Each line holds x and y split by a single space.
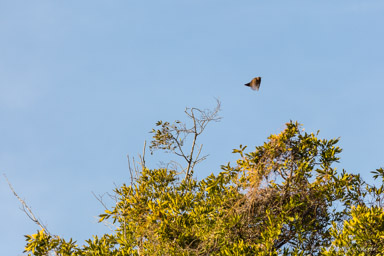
285 197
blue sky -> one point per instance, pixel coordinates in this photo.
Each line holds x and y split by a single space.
83 82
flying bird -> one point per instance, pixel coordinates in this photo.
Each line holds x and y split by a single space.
255 83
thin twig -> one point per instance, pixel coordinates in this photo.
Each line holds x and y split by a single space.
193 144
100 199
27 209
130 170
109 225
143 156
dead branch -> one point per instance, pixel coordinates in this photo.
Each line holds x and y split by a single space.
172 137
27 210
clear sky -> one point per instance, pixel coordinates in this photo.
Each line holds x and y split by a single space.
83 82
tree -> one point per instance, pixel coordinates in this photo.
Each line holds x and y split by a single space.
283 198
363 232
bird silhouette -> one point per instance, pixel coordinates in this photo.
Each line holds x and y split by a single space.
255 83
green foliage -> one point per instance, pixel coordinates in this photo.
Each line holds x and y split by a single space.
362 234
283 198
43 243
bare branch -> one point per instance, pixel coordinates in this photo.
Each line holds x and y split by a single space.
192 147
171 137
109 225
100 199
130 170
197 156
27 209
179 146
142 158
